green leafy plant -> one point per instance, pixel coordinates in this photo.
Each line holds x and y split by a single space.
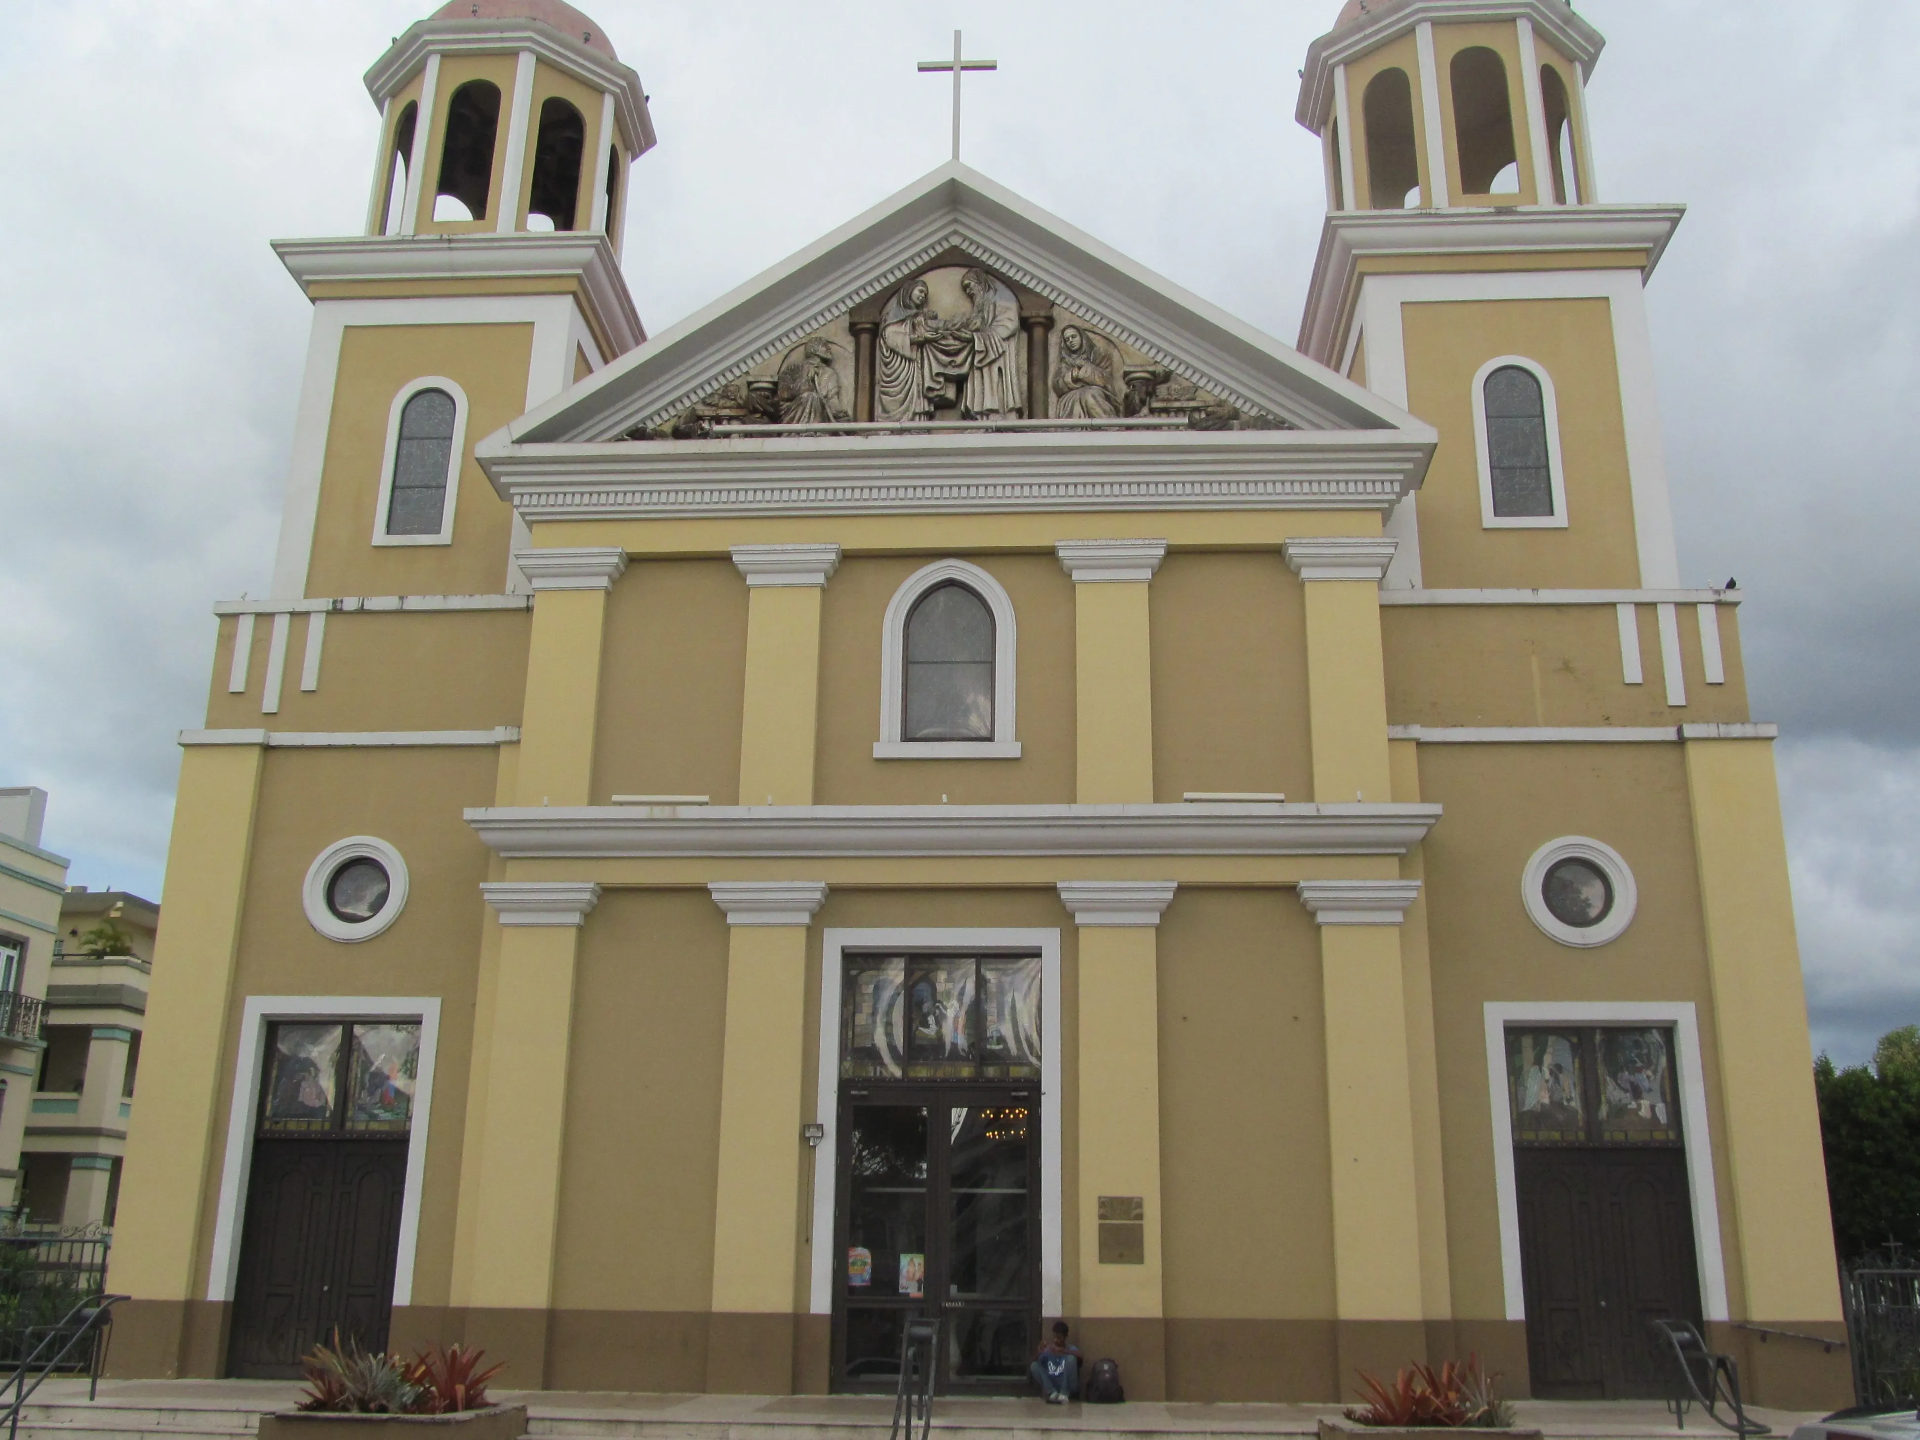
1421 1396
107 938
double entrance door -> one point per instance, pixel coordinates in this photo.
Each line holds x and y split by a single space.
938 1216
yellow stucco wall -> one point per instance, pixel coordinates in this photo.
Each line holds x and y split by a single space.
490 363
456 71
1403 55
1504 40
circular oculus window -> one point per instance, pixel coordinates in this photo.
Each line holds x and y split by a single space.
355 889
1579 891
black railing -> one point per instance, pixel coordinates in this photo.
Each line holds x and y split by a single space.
43 1274
21 1016
1883 1331
76 1341
913 1399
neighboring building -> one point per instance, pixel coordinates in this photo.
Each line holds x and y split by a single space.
32 884
96 1004
1370 939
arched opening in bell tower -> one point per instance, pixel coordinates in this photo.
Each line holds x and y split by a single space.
466 156
393 207
1560 148
1483 123
557 151
1393 164
612 225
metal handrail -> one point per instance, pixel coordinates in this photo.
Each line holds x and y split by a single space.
1827 1342
913 1398
1721 1374
21 1016
95 1315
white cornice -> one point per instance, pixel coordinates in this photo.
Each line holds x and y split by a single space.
586 256
1387 20
961 474
572 567
769 902
1339 557
1095 561
818 831
351 603
353 739
1561 597
541 902
1359 902
1116 902
1348 236
506 37
779 565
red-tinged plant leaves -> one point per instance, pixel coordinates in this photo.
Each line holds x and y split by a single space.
451 1380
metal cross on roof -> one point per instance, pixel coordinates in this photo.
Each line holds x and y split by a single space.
956 65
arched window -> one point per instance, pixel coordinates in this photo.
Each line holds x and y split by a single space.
1521 484
947 667
1559 115
393 208
1393 165
420 481
1483 122
466 155
613 191
556 165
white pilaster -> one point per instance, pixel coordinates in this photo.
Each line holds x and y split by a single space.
515 172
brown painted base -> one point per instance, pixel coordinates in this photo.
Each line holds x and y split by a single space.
1789 1370
496 1422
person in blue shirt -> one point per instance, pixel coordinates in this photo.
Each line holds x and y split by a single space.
1056 1369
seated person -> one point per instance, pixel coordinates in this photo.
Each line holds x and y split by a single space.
1056 1369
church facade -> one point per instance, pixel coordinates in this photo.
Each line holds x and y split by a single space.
963 781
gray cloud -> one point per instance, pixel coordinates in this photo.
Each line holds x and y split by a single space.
153 345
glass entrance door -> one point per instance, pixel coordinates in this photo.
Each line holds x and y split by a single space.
939 1216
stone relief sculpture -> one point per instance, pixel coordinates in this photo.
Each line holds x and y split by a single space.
1083 377
808 390
973 364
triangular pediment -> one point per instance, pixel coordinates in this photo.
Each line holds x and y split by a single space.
944 303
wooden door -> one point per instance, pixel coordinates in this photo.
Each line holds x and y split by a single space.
1606 1242
317 1252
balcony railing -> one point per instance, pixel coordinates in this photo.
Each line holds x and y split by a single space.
21 1016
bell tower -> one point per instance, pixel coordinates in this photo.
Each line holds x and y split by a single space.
1469 272
485 280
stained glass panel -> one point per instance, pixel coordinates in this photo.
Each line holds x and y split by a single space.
872 1017
1636 1087
940 1017
1544 1081
1010 1018
386 1059
941 1023
303 1070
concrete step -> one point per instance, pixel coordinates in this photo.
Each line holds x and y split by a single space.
71 1420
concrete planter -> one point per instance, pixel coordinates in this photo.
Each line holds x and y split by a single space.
1341 1428
496 1422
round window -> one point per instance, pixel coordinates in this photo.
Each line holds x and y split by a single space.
1577 893
358 890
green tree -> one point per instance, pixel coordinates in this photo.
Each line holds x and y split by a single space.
109 937
1870 1132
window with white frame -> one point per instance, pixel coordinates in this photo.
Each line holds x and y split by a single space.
947 667
420 471
1516 428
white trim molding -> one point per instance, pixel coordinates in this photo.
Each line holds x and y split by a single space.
541 902
1693 1129
1578 734
456 454
1093 562
1667 617
1605 859
351 739
1339 557
1561 597
1116 902
1627 616
572 567
786 565
769 902
257 1013
1358 902
313 890
1556 475
836 944
1713 664
1005 744
820 831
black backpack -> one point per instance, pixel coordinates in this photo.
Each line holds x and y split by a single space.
1103 1386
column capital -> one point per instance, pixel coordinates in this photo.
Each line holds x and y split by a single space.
786 564
1089 561
1359 902
769 902
572 567
1116 902
541 902
1339 557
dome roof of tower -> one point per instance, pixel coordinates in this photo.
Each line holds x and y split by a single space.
557 13
1357 9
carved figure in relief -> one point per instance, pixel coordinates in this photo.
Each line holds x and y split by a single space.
809 391
910 379
1082 379
974 364
996 388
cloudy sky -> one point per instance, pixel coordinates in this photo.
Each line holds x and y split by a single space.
150 344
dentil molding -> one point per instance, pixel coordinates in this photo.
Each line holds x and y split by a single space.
786 564
1116 902
572 567
769 902
1339 557
541 902
1359 902
1092 561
